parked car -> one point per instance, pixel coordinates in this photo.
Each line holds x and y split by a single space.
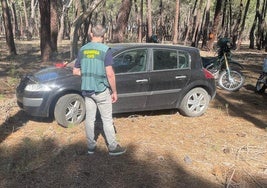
148 76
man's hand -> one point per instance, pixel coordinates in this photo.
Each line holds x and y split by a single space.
112 82
76 71
114 97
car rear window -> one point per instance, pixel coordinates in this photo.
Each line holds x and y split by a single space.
170 59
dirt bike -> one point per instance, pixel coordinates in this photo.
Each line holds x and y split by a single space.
261 84
226 71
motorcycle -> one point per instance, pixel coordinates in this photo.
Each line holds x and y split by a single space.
226 71
261 84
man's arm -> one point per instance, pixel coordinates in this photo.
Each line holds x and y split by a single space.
77 66
112 82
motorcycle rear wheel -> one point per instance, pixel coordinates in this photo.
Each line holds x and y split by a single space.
261 84
233 82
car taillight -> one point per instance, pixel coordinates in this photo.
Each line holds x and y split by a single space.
208 74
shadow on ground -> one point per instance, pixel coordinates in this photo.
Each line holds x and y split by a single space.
17 121
52 166
12 124
245 104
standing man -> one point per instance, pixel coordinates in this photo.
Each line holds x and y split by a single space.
94 65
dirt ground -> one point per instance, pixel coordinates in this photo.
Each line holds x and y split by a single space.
226 147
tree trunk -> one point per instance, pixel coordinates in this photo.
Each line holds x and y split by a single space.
32 23
224 15
141 28
226 19
8 28
252 30
149 21
122 20
193 21
231 20
216 21
21 24
15 23
54 8
237 25
264 36
206 25
25 15
160 25
260 33
61 24
176 20
242 26
188 26
62 20
45 30
104 16
76 26
139 20
86 24
197 29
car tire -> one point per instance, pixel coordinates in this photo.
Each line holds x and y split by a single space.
195 102
69 110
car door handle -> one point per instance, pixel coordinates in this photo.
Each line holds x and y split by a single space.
142 81
180 77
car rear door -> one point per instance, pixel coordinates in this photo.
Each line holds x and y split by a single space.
169 74
132 80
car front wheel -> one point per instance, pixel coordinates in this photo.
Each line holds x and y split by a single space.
69 110
195 102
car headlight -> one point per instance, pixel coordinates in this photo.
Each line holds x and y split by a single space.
37 87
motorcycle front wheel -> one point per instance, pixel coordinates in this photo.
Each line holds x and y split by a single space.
261 83
232 81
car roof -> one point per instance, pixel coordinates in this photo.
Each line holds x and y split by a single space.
123 46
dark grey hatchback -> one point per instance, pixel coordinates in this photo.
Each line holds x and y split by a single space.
148 76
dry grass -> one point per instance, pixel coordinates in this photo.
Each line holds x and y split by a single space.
226 147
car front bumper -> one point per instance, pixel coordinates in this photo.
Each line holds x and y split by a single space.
34 104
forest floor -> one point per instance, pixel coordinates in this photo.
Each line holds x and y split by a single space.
226 147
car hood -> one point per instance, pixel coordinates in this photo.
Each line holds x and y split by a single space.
51 73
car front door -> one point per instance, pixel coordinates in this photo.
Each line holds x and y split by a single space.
132 80
169 75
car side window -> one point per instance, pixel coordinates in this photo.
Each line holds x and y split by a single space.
170 59
183 62
131 61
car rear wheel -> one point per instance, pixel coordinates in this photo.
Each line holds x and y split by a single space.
69 110
195 102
